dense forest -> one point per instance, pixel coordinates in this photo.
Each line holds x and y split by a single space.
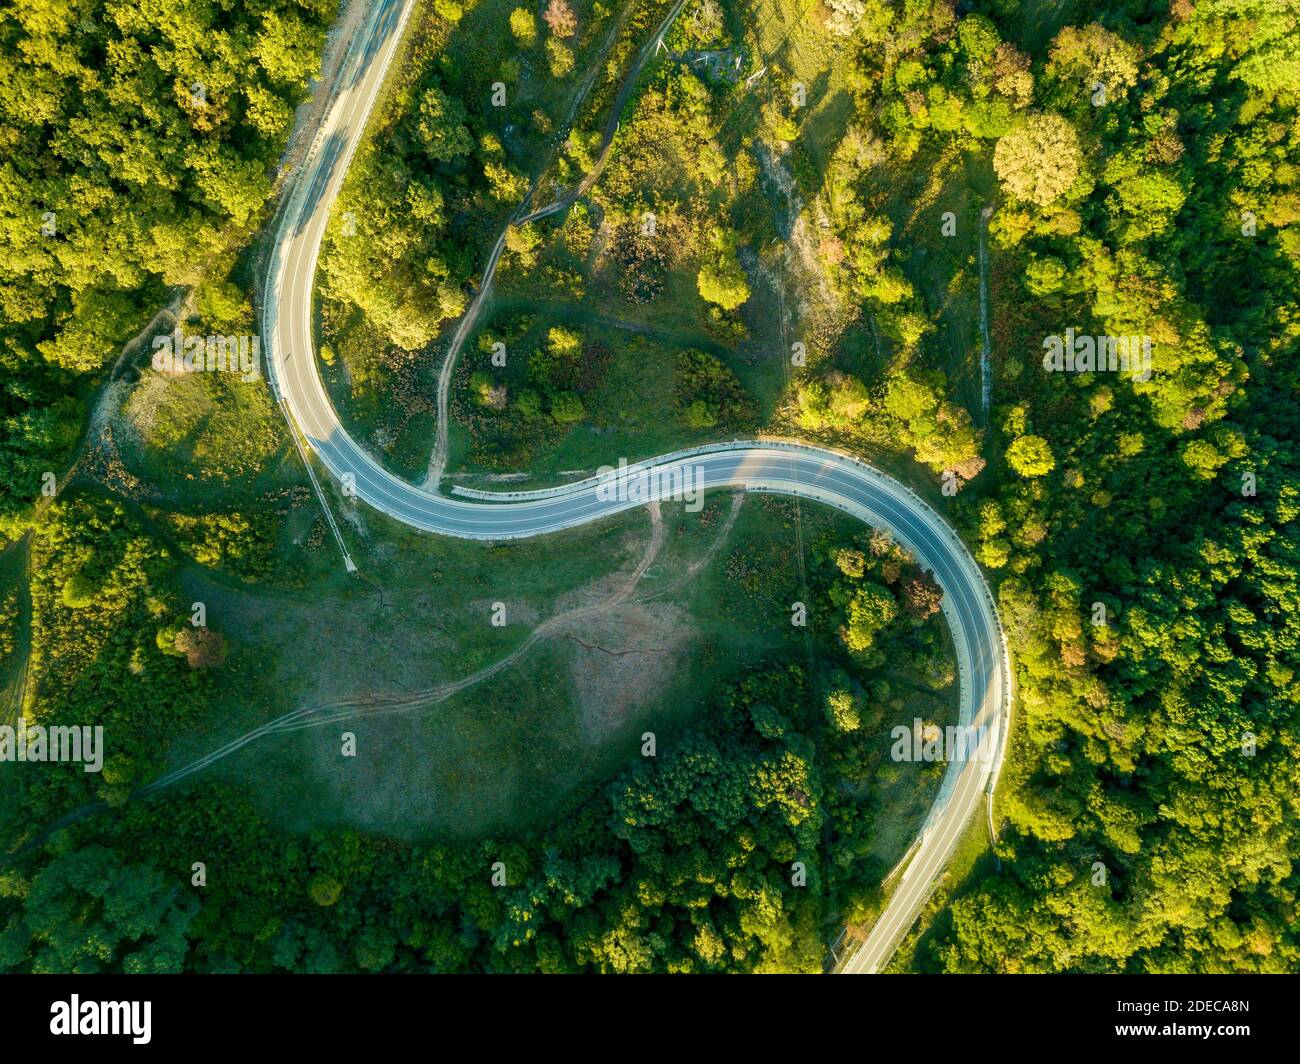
1143 531
1140 530
139 149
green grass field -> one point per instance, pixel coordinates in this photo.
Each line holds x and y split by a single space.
203 438
506 753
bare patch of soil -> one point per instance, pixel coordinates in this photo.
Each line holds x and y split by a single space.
623 660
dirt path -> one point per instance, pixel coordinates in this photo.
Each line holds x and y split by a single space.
108 405
724 533
986 338
612 123
372 706
438 458
15 696
384 705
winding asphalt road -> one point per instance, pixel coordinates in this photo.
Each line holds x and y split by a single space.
787 468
